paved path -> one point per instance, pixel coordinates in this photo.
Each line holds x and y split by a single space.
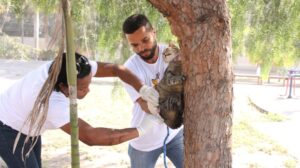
14 69
11 70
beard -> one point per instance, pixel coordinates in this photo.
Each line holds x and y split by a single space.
150 55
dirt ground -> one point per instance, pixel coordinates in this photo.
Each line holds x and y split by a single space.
107 105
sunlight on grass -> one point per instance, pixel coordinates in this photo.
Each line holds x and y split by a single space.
244 135
290 163
267 116
274 117
250 146
255 149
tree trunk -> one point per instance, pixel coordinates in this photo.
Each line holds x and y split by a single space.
72 82
36 29
22 28
203 31
46 28
5 19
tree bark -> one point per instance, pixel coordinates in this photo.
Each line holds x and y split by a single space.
5 19
72 82
203 31
46 28
22 28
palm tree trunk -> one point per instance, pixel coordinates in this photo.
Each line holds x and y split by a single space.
72 81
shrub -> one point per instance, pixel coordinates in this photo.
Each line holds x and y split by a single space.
11 48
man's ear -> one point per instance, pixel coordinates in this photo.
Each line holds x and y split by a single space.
64 89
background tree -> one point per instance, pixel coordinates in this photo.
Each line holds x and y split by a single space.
203 31
92 22
267 32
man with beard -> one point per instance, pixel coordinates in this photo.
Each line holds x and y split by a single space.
148 65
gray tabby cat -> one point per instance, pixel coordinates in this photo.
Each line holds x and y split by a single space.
170 89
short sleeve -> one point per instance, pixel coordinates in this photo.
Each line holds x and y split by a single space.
59 111
133 94
94 67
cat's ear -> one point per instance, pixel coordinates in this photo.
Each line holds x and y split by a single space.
172 44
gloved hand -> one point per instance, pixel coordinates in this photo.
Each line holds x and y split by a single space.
146 124
155 111
149 94
152 108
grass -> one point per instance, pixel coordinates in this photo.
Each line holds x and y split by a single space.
253 143
274 117
290 163
256 145
247 136
268 116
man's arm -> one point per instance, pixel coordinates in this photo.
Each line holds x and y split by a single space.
107 136
101 136
143 105
114 70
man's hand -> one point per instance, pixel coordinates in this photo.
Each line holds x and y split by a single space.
149 94
147 124
155 111
152 108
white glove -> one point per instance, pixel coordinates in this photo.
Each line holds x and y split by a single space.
155 111
146 124
152 108
149 94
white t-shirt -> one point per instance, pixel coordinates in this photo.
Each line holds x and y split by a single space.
146 73
18 100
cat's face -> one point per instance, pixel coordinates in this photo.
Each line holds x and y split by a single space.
170 53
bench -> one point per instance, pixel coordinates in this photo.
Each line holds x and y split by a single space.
257 77
284 78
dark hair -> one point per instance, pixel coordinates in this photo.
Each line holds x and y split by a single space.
82 65
134 22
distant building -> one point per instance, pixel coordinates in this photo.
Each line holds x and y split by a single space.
23 28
